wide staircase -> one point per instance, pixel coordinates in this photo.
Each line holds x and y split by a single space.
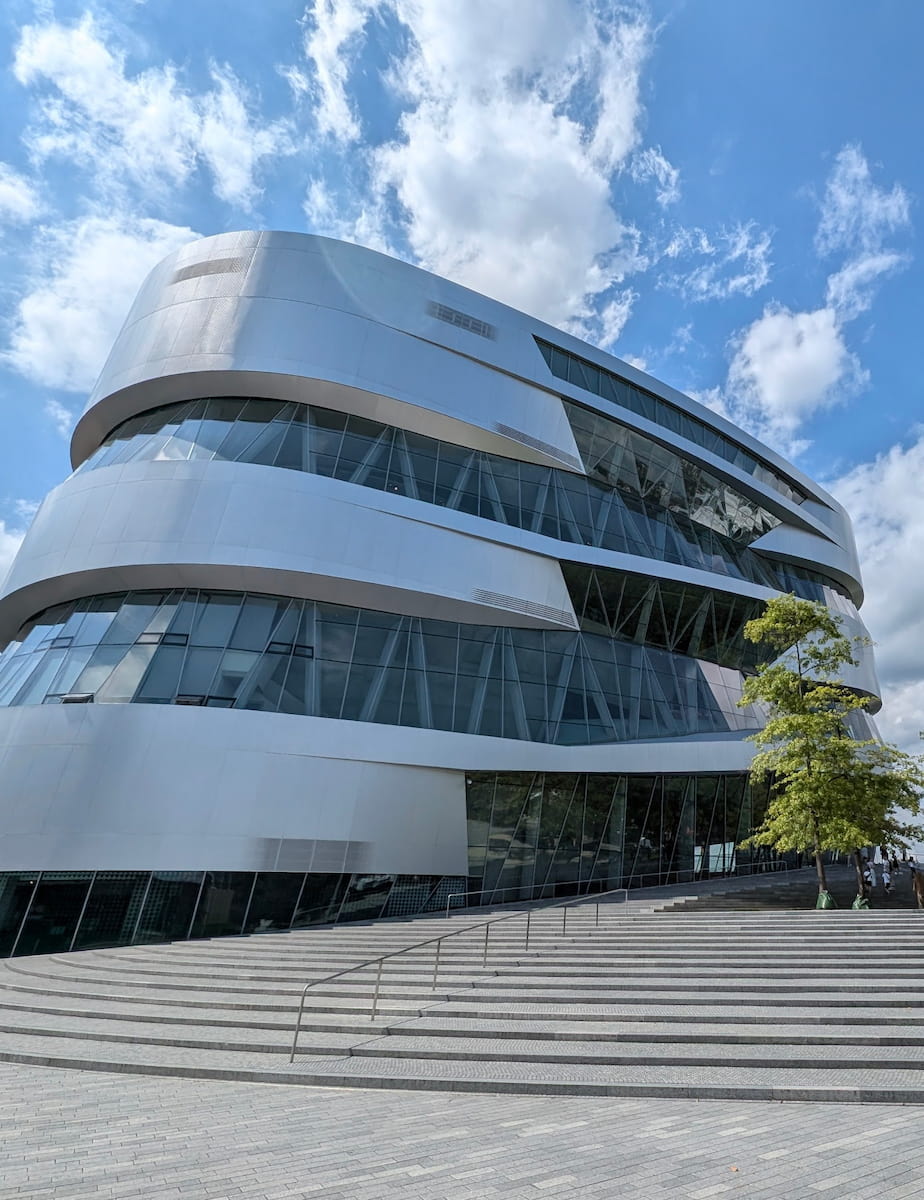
612 999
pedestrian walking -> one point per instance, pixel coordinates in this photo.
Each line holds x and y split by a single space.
869 875
886 879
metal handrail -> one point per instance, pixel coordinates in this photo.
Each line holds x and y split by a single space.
570 901
565 904
516 887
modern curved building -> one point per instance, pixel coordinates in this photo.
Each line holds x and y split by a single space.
367 590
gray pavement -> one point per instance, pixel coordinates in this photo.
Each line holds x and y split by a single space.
70 1134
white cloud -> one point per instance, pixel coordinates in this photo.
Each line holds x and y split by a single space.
333 27
737 262
850 290
144 127
26 509
651 164
515 118
86 276
856 215
233 143
885 499
61 417
856 218
785 366
19 202
603 328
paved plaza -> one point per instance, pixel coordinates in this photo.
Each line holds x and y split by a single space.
69 1134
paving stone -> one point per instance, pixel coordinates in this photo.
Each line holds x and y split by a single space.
611 1061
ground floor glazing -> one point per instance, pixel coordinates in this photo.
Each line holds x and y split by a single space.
532 835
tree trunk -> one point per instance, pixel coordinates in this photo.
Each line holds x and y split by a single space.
861 882
819 865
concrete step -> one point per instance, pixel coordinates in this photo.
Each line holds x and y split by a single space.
739 1004
846 1085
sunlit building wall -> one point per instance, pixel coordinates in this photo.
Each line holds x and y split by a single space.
366 591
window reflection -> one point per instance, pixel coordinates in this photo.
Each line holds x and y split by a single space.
638 497
591 378
652 659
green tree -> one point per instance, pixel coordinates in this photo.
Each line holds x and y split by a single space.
828 789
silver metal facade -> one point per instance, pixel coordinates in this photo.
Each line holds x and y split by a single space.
314 322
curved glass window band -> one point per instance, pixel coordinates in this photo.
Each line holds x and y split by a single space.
606 384
642 499
274 654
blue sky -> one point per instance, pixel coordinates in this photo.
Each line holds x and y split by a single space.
726 193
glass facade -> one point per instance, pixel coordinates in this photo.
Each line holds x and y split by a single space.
587 375
533 834
640 498
273 654
47 912
685 620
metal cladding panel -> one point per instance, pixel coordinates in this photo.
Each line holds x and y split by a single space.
272 320
245 527
839 561
152 787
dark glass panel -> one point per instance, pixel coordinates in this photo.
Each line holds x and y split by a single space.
136 612
324 438
123 682
510 795
709 830
233 668
222 903
266 445
450 466
257 617
199 670
264 686
517 874
333 688
168 907
162 681
293 452
296 694
272 906
320 900
423 453
54 912
366 897
16 889
216 616
598 806
112 909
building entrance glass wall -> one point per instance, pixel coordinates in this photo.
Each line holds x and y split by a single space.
531 836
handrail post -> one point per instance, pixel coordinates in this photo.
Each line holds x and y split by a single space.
564 917
487 932
375 994
597 918
528 915
436 962
298 1023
